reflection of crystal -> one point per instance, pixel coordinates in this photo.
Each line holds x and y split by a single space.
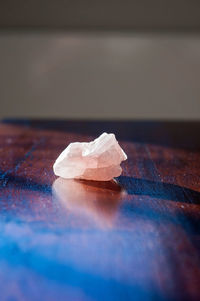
96 200
98 160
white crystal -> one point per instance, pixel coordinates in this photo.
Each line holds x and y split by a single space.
97 160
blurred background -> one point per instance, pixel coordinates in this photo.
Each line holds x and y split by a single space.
94 59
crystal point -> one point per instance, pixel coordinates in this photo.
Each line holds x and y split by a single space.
98 160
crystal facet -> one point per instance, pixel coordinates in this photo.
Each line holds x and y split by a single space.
98 160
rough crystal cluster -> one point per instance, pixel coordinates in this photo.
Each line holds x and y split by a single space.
98 160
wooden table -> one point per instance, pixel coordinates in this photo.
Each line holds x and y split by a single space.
134 239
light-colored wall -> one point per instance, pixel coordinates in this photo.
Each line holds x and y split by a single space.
71 75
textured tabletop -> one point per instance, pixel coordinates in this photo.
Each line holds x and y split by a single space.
134 239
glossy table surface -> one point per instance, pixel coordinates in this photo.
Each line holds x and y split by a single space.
137 238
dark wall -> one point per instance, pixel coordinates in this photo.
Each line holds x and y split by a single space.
158 15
